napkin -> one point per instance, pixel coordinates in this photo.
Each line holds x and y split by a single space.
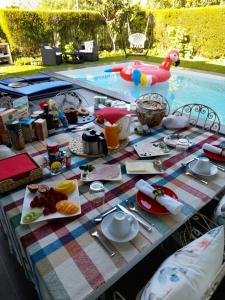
175 122
173 206
112 114
213 149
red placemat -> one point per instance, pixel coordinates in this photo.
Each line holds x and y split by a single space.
16 165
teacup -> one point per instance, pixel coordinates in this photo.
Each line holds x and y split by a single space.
202 165
121 224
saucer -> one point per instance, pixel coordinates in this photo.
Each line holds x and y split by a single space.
106 232
213 169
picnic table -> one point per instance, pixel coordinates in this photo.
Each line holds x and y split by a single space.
62 258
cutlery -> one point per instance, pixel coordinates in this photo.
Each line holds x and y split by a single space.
196 177
131 206
142 223
107 248
188 162
100 218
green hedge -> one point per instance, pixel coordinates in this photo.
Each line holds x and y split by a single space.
205 26
26 30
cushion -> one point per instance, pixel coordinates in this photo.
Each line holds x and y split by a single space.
220 212
175 122
188 272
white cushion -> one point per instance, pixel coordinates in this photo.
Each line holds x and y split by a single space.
187 273
175 122
220 212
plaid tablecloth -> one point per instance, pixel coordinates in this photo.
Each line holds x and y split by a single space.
62 258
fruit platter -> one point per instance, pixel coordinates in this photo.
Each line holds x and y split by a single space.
55 200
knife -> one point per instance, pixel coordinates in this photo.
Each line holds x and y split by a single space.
142 223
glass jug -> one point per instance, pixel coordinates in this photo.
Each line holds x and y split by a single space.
112 135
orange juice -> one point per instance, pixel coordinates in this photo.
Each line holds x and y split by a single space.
112 135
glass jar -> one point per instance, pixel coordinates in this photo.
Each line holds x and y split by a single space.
98 191
15 135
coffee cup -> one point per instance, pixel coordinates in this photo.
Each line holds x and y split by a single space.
202 165
121 224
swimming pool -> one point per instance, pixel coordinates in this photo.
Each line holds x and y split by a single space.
183 87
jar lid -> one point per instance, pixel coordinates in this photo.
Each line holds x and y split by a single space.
97 186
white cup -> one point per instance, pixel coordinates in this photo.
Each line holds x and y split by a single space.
121 224
202 165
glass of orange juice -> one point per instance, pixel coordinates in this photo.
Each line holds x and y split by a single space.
112 135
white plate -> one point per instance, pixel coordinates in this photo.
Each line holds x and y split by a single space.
213 169
100 176
74 197
149 149
173 141
141 167
105 225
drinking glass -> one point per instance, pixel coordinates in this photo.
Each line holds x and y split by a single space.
112 135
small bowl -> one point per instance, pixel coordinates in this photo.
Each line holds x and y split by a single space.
33 188
42 188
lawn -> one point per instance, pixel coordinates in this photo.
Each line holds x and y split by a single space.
11 70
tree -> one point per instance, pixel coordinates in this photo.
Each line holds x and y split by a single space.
58 4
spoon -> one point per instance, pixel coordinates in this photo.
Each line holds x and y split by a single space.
131 207
196 177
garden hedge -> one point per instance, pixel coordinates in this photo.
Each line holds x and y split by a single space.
26 30
205 27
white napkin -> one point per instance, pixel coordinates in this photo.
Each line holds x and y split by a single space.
213 149
173 206
175 122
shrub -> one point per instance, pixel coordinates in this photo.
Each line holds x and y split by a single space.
26 30
194 29
22 61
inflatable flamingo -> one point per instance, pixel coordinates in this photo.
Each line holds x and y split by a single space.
144 74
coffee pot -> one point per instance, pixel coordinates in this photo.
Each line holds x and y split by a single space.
94 142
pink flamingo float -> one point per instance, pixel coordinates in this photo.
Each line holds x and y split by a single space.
144 74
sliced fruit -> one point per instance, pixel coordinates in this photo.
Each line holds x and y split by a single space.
32 215
67 187
66 207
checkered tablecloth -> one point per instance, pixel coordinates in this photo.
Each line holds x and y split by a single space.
62 258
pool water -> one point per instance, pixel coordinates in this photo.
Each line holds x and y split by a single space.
183 87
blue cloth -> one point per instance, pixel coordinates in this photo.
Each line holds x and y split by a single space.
35 88
32 78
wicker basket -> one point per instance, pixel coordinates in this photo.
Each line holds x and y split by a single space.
151 108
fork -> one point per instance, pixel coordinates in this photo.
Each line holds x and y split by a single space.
107 248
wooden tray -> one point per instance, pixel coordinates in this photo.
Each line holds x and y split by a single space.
76 147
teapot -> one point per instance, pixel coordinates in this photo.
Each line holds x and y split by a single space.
94 142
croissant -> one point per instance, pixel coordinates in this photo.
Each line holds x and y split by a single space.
66 207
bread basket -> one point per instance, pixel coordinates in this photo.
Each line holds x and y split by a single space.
151 109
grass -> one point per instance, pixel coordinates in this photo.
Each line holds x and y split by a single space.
12 70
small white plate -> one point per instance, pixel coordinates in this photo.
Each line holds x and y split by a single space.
149 149
213 169
102 173
105 225
141 167
173 141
